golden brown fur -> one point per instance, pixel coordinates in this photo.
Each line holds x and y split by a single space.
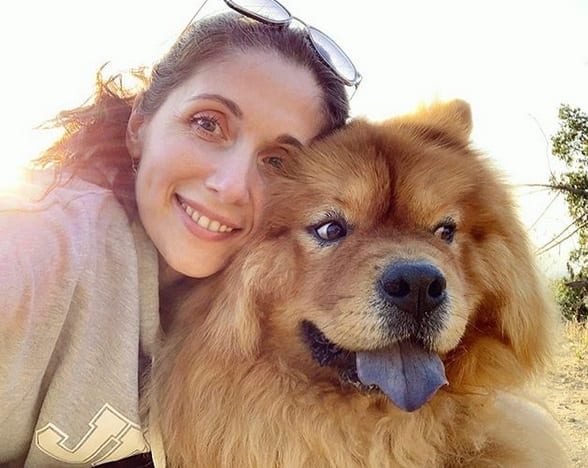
236 384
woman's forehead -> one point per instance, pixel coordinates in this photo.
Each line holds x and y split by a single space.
259 85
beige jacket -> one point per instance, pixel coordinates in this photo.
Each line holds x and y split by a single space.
78 323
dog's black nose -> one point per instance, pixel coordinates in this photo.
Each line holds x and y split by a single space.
414 287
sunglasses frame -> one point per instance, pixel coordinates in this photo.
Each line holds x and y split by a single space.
354 82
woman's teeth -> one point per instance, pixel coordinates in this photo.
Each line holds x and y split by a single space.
204 221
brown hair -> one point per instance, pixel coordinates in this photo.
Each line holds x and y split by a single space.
93 143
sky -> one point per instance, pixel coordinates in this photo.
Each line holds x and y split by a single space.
515 62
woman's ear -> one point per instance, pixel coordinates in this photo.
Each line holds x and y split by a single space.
134 129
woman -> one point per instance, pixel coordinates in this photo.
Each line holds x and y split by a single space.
150 187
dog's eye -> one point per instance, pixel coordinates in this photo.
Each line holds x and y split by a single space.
331 231
446 231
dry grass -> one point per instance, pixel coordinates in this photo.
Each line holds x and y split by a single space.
577 334
567 390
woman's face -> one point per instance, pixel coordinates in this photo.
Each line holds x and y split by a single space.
206 154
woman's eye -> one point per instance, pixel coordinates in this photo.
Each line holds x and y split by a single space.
207 123
331 231
446 231
274 158
274 161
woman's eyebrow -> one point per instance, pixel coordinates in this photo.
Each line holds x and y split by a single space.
289 140
236 110
231 105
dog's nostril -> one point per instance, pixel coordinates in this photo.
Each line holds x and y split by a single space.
415 287
397 288
437 288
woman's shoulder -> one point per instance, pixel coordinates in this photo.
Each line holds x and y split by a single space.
65 200
76 231
69 214
39 190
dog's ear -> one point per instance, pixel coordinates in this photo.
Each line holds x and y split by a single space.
445 123
453 117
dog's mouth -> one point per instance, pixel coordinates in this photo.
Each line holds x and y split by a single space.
406 372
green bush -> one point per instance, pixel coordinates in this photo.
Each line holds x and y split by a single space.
573 302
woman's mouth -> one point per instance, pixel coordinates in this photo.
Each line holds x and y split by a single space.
211 225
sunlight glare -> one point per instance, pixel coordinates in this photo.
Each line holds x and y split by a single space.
11 174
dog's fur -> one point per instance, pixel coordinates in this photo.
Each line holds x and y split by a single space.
236 384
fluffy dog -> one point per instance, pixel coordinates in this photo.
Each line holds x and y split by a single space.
389 314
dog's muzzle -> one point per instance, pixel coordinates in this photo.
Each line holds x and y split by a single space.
407 371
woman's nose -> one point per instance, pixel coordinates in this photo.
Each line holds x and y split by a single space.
233 176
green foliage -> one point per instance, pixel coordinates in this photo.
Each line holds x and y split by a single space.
573 302
570 145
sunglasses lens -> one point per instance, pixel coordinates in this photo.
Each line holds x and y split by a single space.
264 10
334 56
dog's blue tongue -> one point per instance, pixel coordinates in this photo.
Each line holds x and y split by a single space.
407 373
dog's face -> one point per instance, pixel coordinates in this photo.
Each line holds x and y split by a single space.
393 255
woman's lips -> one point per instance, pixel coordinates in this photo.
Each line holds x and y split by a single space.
208 224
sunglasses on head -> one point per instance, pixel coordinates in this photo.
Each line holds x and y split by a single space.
274 13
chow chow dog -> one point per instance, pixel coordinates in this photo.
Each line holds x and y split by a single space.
388 314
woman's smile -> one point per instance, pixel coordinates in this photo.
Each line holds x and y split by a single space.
204 219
